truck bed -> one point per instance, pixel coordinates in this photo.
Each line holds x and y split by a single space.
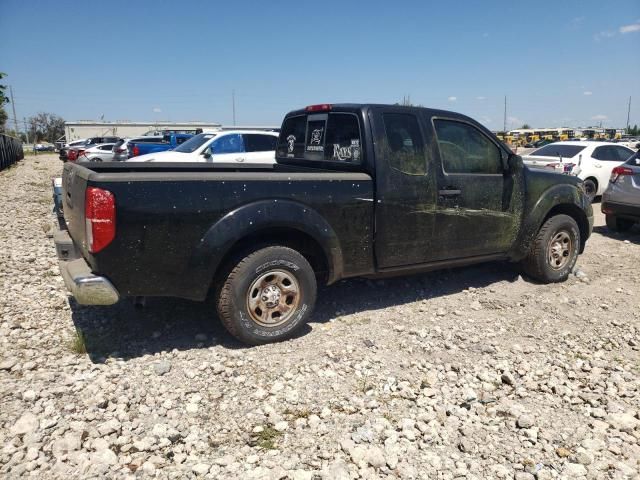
174 222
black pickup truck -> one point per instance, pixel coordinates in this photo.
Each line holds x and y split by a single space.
357 190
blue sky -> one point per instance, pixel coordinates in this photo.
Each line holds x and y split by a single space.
559 63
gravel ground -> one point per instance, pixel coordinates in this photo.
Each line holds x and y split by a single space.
473 373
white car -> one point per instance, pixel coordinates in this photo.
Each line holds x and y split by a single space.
590 161
97 153
225 146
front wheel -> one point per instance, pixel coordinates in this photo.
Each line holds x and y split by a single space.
554 251
267 296
590 188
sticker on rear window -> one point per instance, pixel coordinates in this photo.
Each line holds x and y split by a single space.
315 139
348 152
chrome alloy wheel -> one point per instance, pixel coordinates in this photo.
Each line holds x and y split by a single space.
559 250
273 298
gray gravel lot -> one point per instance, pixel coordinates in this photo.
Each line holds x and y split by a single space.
469 374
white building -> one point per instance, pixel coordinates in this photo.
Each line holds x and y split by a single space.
88 128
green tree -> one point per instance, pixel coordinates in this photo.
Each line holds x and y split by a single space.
525 125
45 126
3 100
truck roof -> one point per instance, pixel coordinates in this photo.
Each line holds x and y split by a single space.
328 107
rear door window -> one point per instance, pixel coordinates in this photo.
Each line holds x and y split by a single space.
254 142
623 153
404 144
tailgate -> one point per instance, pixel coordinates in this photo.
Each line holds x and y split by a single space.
74 184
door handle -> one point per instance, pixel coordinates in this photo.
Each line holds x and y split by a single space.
449 192
240 159
597 165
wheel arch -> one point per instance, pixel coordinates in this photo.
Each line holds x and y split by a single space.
559 199
270 222
575 212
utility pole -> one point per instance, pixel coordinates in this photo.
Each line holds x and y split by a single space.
26 129
504 128
13 106
233 105
628 113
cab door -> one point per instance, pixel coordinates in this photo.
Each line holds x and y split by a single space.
479 202
405 189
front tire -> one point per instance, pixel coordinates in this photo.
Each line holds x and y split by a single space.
554 251
590 188
267 296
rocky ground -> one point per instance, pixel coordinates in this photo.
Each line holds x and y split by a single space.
474 373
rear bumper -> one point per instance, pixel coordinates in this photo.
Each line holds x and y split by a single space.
621 210
86 287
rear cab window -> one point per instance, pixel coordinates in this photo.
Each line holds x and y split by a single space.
333 137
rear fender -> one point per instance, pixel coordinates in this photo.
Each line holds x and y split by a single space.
250 219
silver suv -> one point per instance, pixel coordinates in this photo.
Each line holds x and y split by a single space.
621 200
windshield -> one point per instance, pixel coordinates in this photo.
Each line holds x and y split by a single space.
194 143
558 150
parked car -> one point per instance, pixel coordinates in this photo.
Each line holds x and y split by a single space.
242 146
43 147
440 189
97 153
590 161
120 150
81 145
168 142
65 148
621 199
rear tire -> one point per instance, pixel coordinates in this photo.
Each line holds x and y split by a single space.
267 296
590 188
616 224
554 251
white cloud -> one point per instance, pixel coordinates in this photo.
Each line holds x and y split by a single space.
634 27
452 99
599 117
587 93
157 109
481 98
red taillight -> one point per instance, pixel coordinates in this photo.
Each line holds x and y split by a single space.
617 171
135 150
322 107
72 155
100 218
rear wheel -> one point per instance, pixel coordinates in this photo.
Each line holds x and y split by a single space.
554 251
616 224
267 296
590 188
